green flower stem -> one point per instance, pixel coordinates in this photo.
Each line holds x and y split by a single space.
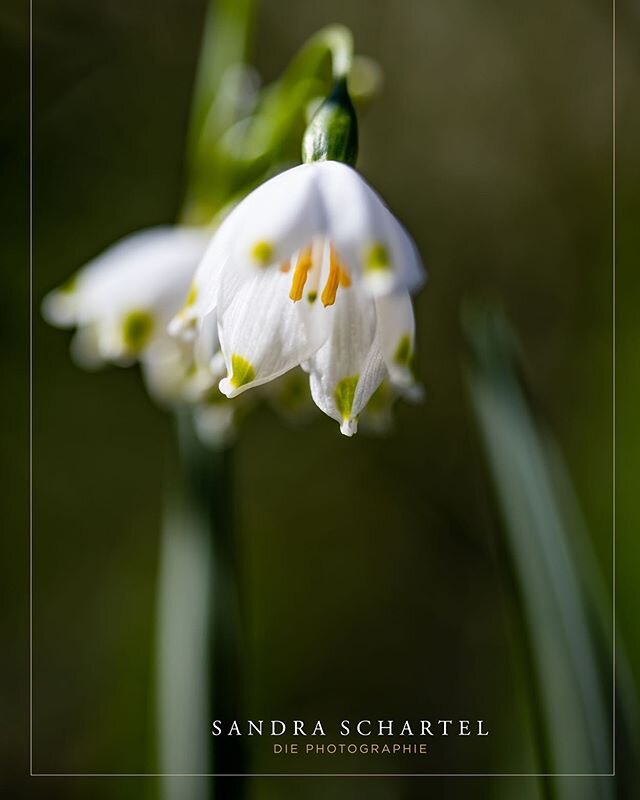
199 664
339 41
229 152
332 133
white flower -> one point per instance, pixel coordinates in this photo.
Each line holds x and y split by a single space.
122 301
311 269
120 304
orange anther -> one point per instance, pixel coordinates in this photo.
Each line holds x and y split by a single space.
301 271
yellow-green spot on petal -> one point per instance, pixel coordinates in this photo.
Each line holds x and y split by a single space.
137 328
403 354
344 395
242 372
262 253
377 258
312 297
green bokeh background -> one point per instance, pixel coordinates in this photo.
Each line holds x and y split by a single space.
372 585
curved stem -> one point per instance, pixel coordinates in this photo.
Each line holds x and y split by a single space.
339 41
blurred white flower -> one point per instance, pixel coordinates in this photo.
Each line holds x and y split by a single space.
311 269
121 301
120 304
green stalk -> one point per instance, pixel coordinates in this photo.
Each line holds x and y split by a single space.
269 136
184 625
198 611
211 475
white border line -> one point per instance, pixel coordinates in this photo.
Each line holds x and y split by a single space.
611 774
323 775
31 387
613 382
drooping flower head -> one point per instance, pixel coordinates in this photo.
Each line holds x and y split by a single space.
121 301
120 304
312 269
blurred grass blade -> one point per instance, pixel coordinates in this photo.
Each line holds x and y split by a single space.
572 687
225 43
184 615
600 607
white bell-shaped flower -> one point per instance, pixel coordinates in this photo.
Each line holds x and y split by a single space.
120 304
311 269
122 301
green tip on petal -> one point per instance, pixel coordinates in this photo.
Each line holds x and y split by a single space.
403 353
344 395
377 258
137 328
242 372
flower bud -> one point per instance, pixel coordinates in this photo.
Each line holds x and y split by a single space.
332 134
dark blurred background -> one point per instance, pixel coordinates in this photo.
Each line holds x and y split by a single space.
372 583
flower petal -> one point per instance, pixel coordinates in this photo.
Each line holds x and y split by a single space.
279 217
396 335
60 306
207 343
349 216
165 367
263 333
349 367
85 349
202 297
128 293
203 374
369 239
151 269
410 272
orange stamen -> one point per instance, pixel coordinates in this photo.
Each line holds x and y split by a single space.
330 290
285 266
338 276
300 274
